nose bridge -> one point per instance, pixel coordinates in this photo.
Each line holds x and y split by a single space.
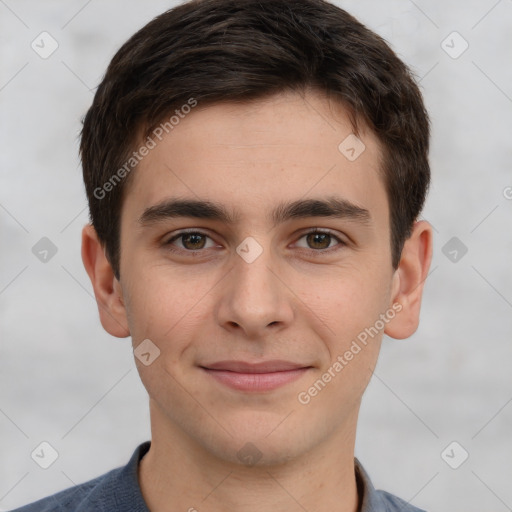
255 278
254 297
254 283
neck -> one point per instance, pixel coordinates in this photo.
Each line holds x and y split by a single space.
178 474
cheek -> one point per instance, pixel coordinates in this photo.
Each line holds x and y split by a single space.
163 301
348 302
351 310
166 310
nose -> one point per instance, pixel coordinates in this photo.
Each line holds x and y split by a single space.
255 299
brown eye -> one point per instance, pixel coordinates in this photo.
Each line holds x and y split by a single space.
190 241
319 241
193 241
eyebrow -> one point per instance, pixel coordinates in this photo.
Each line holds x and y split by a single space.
333 206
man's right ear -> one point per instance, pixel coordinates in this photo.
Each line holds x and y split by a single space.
107 289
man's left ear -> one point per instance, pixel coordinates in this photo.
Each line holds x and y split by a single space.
408 281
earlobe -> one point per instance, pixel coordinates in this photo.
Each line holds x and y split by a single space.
107 289
409 280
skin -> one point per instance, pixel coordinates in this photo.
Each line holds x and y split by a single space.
301 300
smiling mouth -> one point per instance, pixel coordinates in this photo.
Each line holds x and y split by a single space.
258 377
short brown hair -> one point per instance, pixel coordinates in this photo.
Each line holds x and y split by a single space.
241 50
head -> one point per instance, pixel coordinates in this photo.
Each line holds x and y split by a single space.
250 124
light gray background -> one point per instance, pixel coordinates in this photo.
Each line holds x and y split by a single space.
65 381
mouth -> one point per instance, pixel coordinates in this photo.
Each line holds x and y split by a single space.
258 377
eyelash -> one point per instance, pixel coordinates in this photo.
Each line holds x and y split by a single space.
338 246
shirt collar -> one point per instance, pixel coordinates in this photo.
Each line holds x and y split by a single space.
369 498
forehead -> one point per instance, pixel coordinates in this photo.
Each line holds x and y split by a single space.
256 154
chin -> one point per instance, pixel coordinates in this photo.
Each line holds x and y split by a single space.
261 439
255 453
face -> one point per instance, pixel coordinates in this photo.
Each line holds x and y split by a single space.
258 301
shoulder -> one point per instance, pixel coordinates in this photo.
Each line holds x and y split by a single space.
395 504
115 491
73 497
373 500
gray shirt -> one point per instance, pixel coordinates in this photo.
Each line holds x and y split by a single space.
119 491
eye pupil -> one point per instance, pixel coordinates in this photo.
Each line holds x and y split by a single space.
193 239
318 238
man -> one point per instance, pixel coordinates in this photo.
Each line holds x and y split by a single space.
254 171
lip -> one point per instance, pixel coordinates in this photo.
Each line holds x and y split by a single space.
262 376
